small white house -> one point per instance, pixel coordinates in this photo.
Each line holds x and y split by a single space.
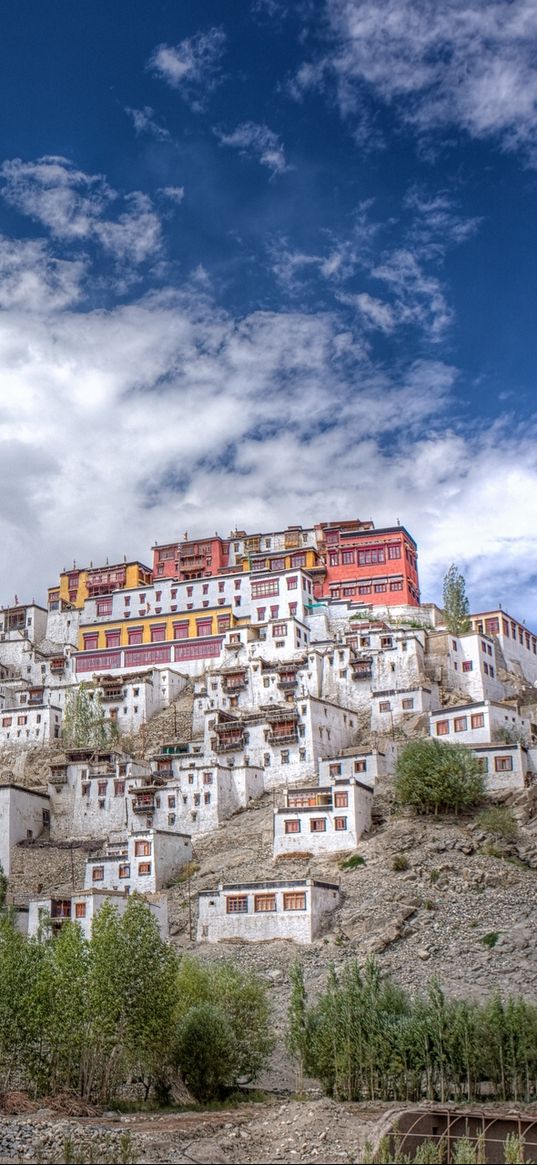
390 706
366 767
146 861
480 723
506 766
83 907
264 911
27 724
24 813
325 819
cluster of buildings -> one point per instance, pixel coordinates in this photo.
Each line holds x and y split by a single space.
310 659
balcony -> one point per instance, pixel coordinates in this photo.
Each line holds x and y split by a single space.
110 693
143 803
234 683
309 801
228 743
58 777
163 771
57 665
287 682
283 737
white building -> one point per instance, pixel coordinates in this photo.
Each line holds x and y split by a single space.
145 861
89 792
82 907
466 663
367 767
480 723
131 699
506 767
322 819
517 644
24 813
30 724
192 793
264 911
390 707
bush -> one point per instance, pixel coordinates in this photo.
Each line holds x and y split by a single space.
352 863
489 940
206 1051
433 776
499 821
400 863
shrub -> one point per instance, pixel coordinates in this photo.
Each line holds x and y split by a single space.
352 863
206 1050
490 939
434 776
499 821
400 863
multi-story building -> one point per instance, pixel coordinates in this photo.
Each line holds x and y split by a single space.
374 566
50 912
24 814
77 585
482 723
145 861
518 645
322 818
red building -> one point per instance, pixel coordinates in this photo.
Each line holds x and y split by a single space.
192 558
368 565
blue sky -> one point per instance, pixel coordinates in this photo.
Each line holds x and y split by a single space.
264 263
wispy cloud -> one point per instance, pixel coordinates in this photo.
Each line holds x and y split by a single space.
464 63
193 67
78 208
257 141
144 122
32 279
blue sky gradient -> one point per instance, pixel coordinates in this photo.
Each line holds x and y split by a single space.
266 263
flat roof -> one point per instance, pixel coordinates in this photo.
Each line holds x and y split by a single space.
23 789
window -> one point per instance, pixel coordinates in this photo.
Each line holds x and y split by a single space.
204 627
207 798
442 727
86 786
364 590
384 706
284 757
274 612
265 903
104 607
207 778
340 823
292 583
360 766
7 721
298 560
98 874
503 764
394 552
237 904
135 635
112 638
294 901
376 554
144 869
265 588
467 665
460 723
334 770
119 788
180 630
341 800
492 626
142 849
293 609
397 585
223 623
80 909
261 613
124 870
379 588
483 764
101 788
407 704
292 825
318 825
347 557
478 720
91 641
158 633
171 802
279 630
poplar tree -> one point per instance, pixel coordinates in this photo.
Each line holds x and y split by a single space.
456 606
297 1032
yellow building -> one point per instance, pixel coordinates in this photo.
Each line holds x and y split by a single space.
77 585
153 629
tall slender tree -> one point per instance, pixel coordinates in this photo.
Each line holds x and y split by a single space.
456 606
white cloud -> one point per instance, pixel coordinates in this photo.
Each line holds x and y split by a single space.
33 280
174 193
465 63
193 67
77 207
144 123
259 141
176 415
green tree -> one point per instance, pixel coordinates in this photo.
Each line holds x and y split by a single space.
297 1031
206 1050
434 776
456 606
85 724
